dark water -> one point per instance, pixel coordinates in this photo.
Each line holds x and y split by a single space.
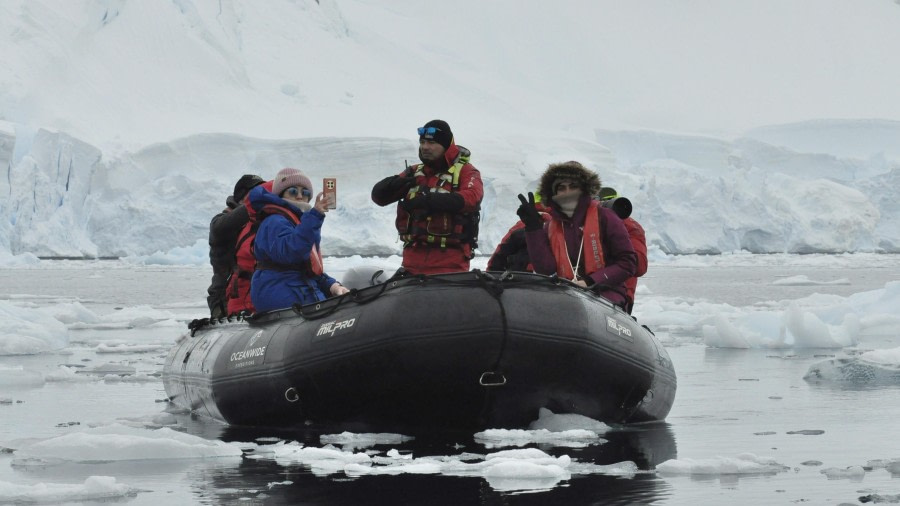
729 402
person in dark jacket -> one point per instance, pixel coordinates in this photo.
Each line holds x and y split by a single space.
289 267
583 241
238 289
223 231
438 204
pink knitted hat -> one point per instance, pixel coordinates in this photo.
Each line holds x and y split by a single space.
290 177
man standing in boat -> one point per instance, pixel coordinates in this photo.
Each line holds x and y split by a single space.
438 204
583 241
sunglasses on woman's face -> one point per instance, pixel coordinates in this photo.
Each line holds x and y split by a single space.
295 192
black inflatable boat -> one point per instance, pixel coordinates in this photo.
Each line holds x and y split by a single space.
469 350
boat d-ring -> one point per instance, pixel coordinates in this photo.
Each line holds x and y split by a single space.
492 379
291 395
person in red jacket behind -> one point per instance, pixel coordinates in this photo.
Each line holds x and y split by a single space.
245 263
622 207
438 204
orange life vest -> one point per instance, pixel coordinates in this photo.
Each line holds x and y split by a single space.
591 245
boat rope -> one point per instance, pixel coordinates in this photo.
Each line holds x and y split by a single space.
199 323
355 295
490 282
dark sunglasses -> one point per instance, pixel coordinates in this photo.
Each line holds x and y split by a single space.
293 192
428 130
568 186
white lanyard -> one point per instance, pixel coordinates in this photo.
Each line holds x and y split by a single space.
577 262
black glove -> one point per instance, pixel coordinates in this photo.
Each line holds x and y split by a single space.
446 202
401 183
529 214
419 201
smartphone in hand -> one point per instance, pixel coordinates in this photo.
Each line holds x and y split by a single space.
329 187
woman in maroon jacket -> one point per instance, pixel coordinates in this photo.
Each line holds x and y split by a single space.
583 241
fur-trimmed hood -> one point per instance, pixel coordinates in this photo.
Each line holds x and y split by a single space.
588 179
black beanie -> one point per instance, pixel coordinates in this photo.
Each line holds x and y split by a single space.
443 136
246 183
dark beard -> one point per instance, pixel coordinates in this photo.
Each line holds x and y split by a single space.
439 163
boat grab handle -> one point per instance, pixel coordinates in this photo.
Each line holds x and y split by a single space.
492 379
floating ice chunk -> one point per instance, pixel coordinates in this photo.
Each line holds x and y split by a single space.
560 422
418 466
852 472
508 470
26 331
126 318
94 488
522 476
817 321
890 356
625 468
130 378
890 465
120 442
575 438
525 469
64 374
802 280
878 367
724 335
352 440
321 461
879 325
750 330
532 454
564 429
73 312
128 348
811 332
745 463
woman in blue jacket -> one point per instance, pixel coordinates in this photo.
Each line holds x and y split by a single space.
289 265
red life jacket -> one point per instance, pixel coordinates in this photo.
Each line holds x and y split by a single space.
591 245
440 229
639 242
244 265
